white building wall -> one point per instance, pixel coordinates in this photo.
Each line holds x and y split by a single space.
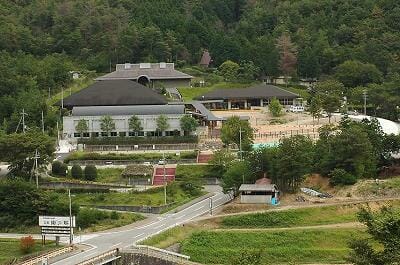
255 198
148 123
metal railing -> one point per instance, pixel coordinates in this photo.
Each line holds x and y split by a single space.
46 256
100 258
161 254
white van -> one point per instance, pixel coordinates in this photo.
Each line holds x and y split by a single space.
294 108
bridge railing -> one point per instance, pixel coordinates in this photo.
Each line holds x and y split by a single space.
99 259
161 254
46 256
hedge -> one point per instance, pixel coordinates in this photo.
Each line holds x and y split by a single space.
134 157
139 140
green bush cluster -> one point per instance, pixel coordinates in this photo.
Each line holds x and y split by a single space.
90 172
139 140
59 169
196 172
341 177
135 157
88 217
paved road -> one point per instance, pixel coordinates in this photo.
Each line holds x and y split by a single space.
103 242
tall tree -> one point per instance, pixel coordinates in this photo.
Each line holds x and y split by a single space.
229 70
20 149
107 124
237 131
162 123
82 127
188 124
384 228
135 124
315 107
288 55
275 107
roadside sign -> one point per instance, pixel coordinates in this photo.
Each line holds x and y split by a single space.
56 221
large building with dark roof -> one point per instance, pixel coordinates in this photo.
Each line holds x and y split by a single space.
258 95
154 75
120 99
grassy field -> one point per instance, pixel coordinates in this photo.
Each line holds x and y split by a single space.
171 236
189 93
9 249
195 171
389 187
153 197
111 220
300 217
76 86
110 175
298 246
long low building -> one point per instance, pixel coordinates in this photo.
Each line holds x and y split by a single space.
244 98
147 115
120 100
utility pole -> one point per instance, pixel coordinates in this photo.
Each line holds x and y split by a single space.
165 181
365 102
36 157
240 143
49 92
62 97
58 136
70 217
23 120
42 122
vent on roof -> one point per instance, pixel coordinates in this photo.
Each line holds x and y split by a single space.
145 66
127 66
163 65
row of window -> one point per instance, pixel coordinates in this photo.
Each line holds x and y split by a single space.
124 134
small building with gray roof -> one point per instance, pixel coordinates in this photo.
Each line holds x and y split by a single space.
259 95
154 75
258 193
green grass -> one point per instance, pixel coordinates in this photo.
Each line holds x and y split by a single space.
298 217
195 171
189 93
170 237
153 197
301 92
9 249
389 187
76 86
110 220
110 175
299 246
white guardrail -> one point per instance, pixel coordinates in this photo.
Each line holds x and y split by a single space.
46 256
99 259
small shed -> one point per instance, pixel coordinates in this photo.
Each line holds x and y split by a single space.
258 193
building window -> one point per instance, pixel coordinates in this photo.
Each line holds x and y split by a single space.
170 133
95 134
141 134
122 134
151 134
77 135
104 134
114 134
86 135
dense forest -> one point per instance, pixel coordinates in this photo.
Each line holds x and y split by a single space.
357 41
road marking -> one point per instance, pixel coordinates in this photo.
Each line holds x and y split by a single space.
139 235
157 227
180 217
115 246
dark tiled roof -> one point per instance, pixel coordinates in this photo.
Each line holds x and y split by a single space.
255 92
114 93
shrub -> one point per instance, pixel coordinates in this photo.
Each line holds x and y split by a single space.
90 172
341 177
114 215
137 171
87 217
139 140
59 169
76 172
27 244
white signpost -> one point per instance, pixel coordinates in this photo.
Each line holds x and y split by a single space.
58 226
